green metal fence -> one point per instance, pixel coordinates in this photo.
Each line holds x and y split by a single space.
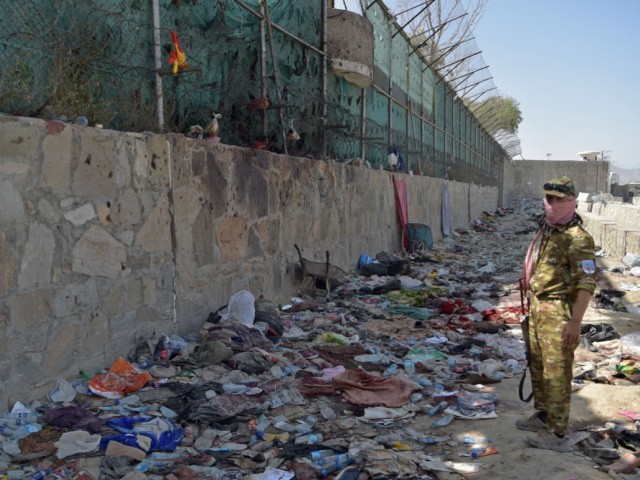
95 58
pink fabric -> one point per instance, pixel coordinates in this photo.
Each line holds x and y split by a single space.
559 213
400 187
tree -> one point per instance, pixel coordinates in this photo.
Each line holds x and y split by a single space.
498 113
442 31
439 27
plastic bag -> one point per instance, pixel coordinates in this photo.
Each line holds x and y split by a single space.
122 378
630 344
332 337
241 309
146 433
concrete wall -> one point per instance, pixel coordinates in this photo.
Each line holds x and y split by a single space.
528 176
109 237
615 227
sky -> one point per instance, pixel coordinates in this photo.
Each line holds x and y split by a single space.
574 67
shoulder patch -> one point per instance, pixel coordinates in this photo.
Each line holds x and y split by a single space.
588 267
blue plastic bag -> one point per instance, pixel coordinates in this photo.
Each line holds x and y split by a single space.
164 435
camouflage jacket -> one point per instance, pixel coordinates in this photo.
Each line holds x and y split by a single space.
565 263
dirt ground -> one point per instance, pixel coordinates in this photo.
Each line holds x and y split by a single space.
592 406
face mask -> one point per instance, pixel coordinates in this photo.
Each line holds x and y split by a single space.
559 213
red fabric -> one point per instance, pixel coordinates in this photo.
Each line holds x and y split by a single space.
510 315
400 188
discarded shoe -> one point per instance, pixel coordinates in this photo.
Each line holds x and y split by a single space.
531 424
547 440
586 344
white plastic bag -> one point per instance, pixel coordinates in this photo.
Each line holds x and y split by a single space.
630 344
241 309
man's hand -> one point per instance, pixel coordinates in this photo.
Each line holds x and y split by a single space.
571 333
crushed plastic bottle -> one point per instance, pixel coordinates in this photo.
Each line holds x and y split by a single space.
328 413
477 450
261 426
451 363
416 397
331 464
433 410
310 439
446 420
235 388
320 454
409 367
377 358
392 370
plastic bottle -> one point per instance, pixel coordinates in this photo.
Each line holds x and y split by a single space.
409 367
388 439
261 426
451 362
377 358
234 388
437 389
477 450
437 408
392 370
320 454
333 463
328 413
309 439
443 421
416 397
24 431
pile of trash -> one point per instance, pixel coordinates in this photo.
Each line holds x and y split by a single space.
313 388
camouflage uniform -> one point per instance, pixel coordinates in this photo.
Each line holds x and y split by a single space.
565 263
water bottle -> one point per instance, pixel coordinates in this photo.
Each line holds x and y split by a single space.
477 450
262 425
416 397
320 454
328 413
24 431
309 439
392 370
409 367
437 408
451 362
333 463
234 388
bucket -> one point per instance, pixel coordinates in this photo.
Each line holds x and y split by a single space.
419 236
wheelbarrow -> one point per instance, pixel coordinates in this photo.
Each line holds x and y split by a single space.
313 270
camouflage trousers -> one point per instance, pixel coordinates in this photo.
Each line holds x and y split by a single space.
551 363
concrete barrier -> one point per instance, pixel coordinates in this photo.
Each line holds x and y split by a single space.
615 227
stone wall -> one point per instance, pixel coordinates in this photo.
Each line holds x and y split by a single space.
108 238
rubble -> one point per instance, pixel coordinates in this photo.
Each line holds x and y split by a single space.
325 386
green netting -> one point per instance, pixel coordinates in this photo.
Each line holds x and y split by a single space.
96 58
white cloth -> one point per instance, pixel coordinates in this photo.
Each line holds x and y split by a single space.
77 441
